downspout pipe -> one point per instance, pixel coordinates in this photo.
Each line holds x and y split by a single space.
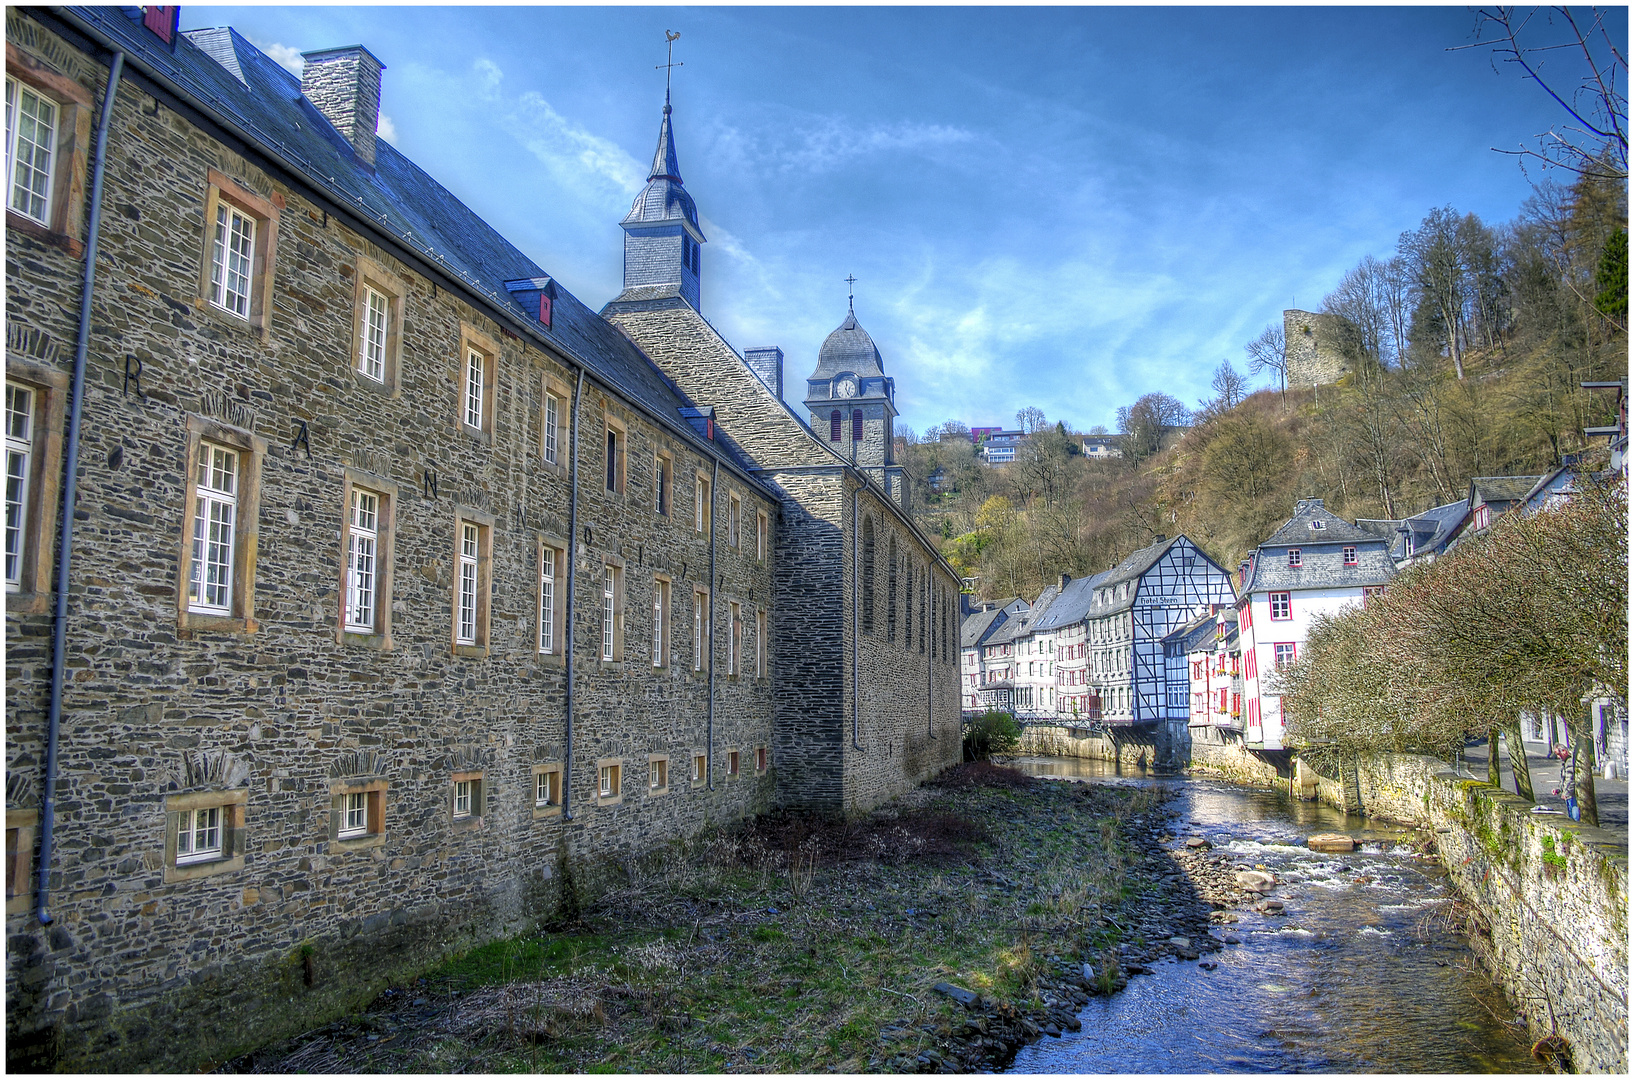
709 635
70 489
930 656
567 619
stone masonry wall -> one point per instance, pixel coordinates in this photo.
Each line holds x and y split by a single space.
141 971
905 698
1313 354
1549 897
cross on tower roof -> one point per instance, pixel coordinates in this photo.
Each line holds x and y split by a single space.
850 292
669 38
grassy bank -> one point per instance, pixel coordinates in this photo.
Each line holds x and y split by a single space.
792 944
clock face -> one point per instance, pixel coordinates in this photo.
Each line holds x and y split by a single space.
846 388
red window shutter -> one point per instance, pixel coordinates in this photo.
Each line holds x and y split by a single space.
544 308
834 426
856 425
162 21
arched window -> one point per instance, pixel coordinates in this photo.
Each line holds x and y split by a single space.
856 425
834 426
907 611
890 594
868 575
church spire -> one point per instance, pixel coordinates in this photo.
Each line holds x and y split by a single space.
664 165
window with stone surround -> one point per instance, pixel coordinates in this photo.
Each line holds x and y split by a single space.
357 813
609 781
222 509
660 621
548 630
204 834
700 627
377 325
702 505
734 641
547 790
370 510
466 798
663 482
657 774
554 417
240 251
473 580
476 382
48 135
20 826
760 643
732 762
35 398
615 468
612 612
763 530
700 769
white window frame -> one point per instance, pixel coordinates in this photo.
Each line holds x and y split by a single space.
547 788
1350 555
734 642
464 791
547 599
553 420
660 622
762 527
14 134
21 424
469 589
760 643
1296 558
608 781
354 822
609 611
473 388
658 774
734 516
376 330
201 835
362 594
1287 601
700 601
215 512
229 264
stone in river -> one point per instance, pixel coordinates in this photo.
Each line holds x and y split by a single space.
957 993
1256 880
1269 907
1197 842
1331 842
1180 942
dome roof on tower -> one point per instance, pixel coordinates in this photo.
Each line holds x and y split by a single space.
664 198
849 348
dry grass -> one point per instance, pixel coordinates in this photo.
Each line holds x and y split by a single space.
787 944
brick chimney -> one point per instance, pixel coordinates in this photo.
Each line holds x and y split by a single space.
344 85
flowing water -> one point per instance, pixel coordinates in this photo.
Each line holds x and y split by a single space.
1362 973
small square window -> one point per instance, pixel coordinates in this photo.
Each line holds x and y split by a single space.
1281 605
700 770
609 782
1350 556
204 833
466 806
547 790
1284 652
657 774
358 813
761 757
731 763
1294 558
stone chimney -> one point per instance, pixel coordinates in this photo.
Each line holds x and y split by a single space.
1062 585
344 85
767 364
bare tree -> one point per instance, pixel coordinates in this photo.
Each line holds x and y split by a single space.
1030 419
1450 260
1144 424
1229 386
1269 352
1595 141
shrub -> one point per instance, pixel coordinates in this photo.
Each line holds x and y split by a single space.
993 732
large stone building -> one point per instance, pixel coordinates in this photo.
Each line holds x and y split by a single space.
405 590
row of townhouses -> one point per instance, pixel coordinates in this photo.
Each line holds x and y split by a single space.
404 590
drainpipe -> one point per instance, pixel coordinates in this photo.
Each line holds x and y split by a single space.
856 615
65 543
930 656
572 574
709 635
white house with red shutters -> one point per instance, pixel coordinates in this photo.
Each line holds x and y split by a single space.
1316 564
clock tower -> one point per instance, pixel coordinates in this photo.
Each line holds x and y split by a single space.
851 402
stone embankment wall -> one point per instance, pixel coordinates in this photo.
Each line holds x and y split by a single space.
1219 753
1548 896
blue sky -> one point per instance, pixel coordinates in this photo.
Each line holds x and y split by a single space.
1061 207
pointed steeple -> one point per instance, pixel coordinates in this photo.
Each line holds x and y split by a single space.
664 165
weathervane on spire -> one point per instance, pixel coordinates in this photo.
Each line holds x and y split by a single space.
851 293
669 37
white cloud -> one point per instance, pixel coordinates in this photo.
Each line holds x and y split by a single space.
489 76
811 144
386 129
283 55
591 165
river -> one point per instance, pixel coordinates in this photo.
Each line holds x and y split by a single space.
1361 974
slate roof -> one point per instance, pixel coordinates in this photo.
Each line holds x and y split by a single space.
1130 569
1006 632
1072 606
848 348
1323 568
1500 491
664 198
1329 528
1191 635
225 77
976 626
